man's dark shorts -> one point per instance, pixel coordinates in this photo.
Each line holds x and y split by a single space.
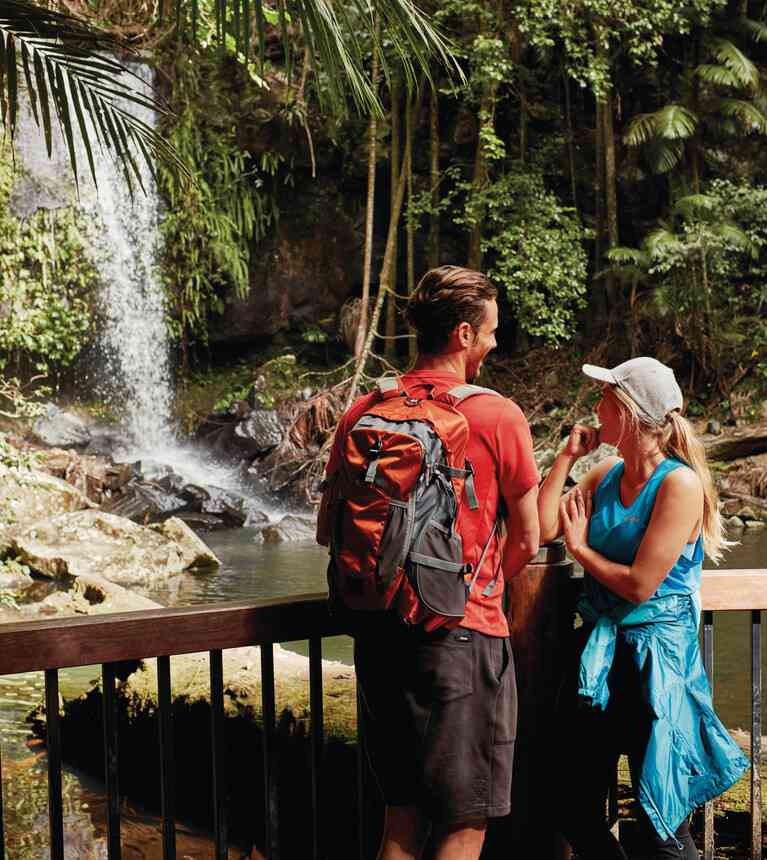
439 718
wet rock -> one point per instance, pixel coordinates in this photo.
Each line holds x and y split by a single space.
200 521
734 523
730 507
259 433
105 443
714 428
145 501
195 553
152 470
755 524
95 543
28 496
61 429
292 527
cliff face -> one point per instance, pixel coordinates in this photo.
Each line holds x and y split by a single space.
303 271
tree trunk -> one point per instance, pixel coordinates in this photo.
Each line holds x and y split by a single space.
515 41
368 259
486 119
611 191
570 136
384 280
414 102
434 144
390 345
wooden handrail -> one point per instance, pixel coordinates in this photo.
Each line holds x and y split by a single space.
86 640
734 589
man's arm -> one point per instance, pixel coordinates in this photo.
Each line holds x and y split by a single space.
523 532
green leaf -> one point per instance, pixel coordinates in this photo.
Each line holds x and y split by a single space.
749 115
728 54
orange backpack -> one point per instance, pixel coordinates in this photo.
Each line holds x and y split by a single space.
389 511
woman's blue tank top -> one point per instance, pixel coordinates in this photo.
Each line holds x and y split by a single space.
616 530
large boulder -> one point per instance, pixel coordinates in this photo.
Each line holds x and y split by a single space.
95 543
28 496
291 528
61 429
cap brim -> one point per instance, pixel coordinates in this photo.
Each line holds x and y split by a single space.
603 374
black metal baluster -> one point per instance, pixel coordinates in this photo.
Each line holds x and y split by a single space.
708 662
315 706
111 759
756 734
2 819
217 747
167 771
53 741
361 767
271 821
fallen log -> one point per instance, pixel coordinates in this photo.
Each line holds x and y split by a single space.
740 443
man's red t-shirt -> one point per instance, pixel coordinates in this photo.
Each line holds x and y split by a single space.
501 452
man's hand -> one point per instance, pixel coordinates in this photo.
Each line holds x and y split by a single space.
575 511
581 441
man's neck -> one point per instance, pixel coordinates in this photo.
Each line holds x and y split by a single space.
446 362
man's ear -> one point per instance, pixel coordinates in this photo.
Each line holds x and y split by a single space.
465 334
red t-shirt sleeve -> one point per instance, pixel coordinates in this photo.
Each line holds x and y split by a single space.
517 470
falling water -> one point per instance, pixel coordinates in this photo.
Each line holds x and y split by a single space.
133 372
133 357
133 337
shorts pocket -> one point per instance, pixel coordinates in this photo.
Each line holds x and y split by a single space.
446 666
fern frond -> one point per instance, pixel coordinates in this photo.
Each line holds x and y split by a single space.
728 54
641 128
749 115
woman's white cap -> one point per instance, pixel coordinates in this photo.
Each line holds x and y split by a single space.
647 381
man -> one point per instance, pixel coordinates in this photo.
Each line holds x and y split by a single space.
439 709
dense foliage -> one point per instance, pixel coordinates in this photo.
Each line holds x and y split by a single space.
47 282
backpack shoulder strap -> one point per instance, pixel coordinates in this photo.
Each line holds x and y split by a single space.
459 393
389 386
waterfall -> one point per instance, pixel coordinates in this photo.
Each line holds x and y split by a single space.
132 345
133 339
133 373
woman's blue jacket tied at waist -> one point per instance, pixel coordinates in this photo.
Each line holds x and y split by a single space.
690 756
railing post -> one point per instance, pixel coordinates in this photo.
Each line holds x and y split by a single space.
756 734
540 618
708 662
167 770
217 751
268 710
53 742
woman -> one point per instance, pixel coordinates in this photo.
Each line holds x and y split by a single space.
638 524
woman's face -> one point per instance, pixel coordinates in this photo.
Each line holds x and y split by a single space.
609 412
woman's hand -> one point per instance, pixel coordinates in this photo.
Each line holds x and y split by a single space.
575 512
581 441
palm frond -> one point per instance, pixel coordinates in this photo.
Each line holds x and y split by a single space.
676 122
719 76
733 235
624 256
728 54
641 128
692 205
749 115
663 155
756 30
662 241
76 76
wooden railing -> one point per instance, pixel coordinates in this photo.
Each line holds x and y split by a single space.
159 633
728 591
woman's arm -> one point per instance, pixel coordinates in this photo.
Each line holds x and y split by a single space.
678 510
581 441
